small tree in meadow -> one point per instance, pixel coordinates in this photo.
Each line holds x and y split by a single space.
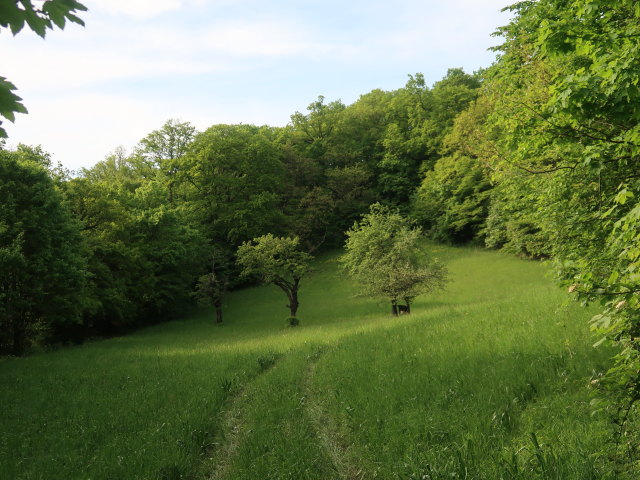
276 260
212 287
384 257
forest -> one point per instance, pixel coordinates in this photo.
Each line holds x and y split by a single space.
538 155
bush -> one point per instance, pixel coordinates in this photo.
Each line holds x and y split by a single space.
293 321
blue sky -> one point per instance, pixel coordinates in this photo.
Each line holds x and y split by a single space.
138 63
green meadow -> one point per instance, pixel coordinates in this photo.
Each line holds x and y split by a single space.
486 380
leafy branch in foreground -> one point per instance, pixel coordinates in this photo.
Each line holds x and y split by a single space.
14 14
568 96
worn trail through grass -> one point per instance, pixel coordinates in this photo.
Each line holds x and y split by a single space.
327 431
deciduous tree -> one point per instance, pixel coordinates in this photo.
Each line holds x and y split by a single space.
386 259
276 260
41 256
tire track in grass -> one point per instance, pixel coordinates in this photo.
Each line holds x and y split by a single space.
331 440
226 448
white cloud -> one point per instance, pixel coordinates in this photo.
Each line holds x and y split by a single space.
222 61
141 9
105 54
255 39
147 9
453 31
109 52
80 130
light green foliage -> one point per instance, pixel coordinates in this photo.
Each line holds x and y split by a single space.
362 126
144 255
167 144
568 109
162 151
316 130
14 14
453 390
237 177
384 257
41 256
276 260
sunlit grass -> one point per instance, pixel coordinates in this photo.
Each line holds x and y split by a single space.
467 383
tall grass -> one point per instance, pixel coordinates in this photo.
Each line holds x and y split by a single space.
487 380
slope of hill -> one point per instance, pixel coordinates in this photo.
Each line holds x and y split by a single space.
487 380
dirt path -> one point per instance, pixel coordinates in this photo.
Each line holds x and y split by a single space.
232 428
328 433
328 437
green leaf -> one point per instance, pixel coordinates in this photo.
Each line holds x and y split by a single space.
38 24
10 103
11 16
55 13
75 19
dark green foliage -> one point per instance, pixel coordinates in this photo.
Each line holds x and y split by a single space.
341 159
212 287
453 200
42 261
144 254
10 103
236 177
420 119
15 13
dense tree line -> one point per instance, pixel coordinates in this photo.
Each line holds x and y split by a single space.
128 242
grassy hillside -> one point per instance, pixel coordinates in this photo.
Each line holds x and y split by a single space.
487 380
